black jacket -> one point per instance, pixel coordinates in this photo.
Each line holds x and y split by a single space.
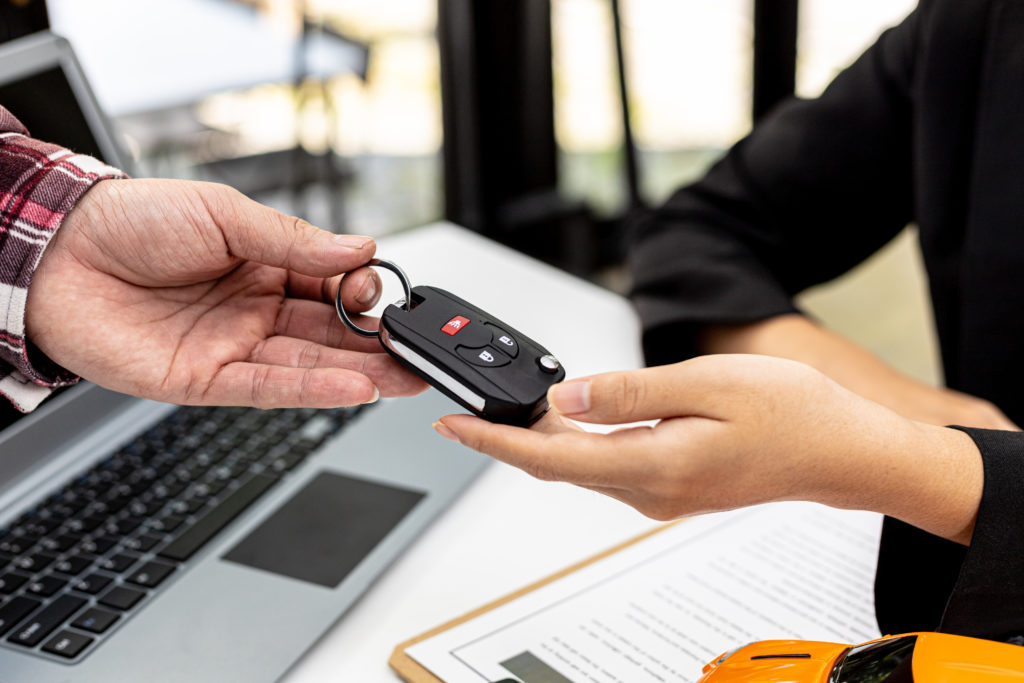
926 127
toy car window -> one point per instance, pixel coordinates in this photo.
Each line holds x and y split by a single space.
885 661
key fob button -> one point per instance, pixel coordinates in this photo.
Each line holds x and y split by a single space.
487 357
549 363
455 325
504 341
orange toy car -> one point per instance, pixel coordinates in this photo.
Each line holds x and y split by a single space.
907 658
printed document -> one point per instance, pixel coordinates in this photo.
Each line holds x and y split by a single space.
659 610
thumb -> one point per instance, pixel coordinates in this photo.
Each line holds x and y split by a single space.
625 396
259 233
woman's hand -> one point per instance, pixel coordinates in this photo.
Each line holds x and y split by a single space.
740 430
191 293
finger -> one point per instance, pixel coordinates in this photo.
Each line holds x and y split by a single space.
259 233
318 322
390 378
633 395
552 422
562 454
361 292
274 386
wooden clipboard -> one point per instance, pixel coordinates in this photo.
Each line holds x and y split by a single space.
411 671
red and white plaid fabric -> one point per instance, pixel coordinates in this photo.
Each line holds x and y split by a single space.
39 184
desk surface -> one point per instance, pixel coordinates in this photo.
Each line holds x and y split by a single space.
508 529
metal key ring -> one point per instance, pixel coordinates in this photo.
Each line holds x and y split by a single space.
343 314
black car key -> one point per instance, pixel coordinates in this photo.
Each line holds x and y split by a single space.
475 359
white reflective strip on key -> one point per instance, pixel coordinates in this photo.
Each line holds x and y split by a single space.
426 367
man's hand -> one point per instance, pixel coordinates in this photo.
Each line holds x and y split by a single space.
734 431
191 293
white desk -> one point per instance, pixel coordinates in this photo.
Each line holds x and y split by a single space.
508 529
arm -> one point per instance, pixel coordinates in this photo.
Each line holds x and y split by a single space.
817 187
798 338
813 190
177 291
925 583
189 292
40 184
735 431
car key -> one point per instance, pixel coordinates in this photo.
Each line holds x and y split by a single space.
472 357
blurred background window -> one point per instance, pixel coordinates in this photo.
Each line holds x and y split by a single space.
328 109
688 64
332 108
833 33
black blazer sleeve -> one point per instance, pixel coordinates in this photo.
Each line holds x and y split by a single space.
815 188
925 583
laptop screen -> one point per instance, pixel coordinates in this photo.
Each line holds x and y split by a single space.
46 104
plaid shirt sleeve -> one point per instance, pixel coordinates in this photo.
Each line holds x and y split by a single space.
39 184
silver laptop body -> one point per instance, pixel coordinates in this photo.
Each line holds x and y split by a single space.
239 572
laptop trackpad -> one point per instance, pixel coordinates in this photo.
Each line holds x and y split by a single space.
325 529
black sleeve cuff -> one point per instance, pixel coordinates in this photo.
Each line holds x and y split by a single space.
988 600
925 583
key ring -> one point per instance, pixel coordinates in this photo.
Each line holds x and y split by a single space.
407 304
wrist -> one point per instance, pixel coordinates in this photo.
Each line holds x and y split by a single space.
928 476
949 480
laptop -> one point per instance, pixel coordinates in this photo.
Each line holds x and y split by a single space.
142 541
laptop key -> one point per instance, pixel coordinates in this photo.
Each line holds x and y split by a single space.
122 527
60 544
122 598
73 565
35 562
286 462
46 586
151 574
187 507
50 617
16 545
118 563
42 527
215 486
92 584
10 582
141 543
67 644
196 536
95 619
141 509
167 524
14 610
84 525
98 545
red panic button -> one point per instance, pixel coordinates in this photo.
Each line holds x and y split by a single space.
453 326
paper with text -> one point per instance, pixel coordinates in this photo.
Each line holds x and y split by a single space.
659 610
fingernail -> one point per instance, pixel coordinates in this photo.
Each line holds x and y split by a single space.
369 290
570 397
442 429
352 241
374 398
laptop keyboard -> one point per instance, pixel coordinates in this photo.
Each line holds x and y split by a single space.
84 558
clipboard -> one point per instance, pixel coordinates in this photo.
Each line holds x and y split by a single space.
412 671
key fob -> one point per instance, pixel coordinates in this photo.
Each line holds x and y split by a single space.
478 361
